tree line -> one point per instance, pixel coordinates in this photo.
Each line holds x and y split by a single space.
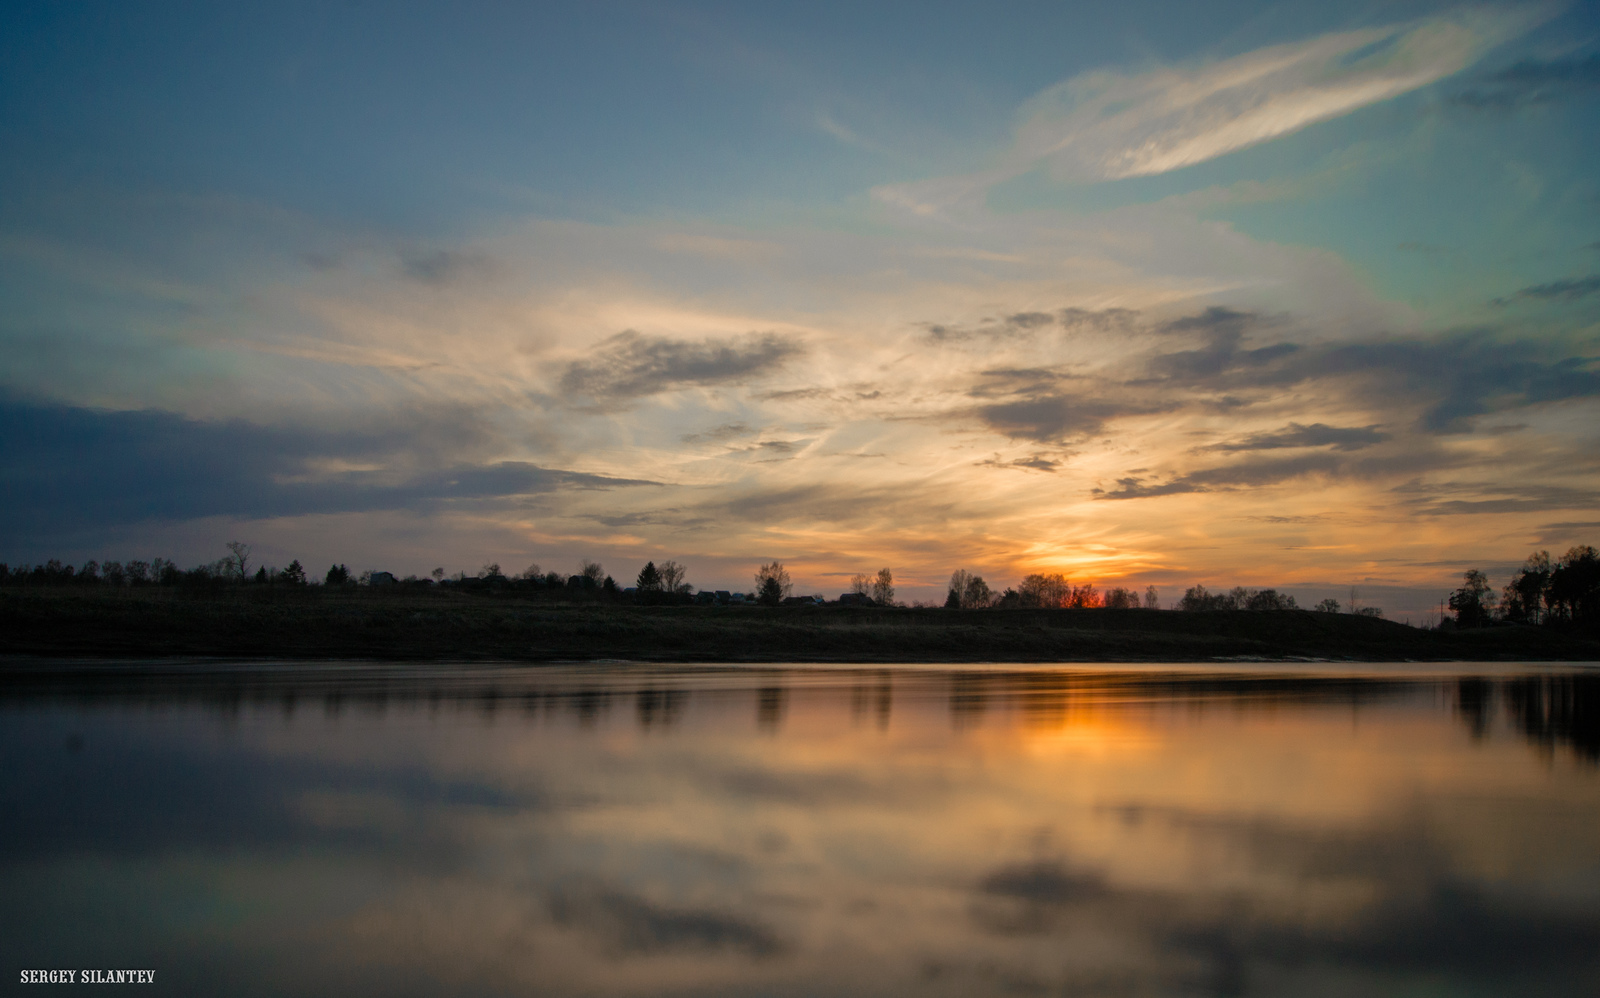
1544 591
1563 592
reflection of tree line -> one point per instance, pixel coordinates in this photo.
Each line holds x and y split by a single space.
1549 710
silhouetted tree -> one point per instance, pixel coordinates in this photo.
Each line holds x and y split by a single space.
337 575
673 577
772 583
977 596
1473 603
533 573
1196 599
1151 600
649 580
1083 597
438 574
294 575
883 588
1575 586
1121 599
1329 605
1269 599
239 558
861 584
1045 591
958 588
592 571
1523 599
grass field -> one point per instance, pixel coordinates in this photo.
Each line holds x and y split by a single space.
402 625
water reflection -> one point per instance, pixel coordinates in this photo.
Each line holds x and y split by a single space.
764 831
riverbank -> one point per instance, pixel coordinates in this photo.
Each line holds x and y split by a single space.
408 626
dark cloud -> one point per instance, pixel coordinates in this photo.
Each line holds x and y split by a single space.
1098 320
1034 462
1315 435
66 468
1449 499
630 365
1026 323
1030 320
718 434
1224 330
1261 472
631 924
1532 81
1135 488
1456 378
1049 418
440 266
1562 290
1252 474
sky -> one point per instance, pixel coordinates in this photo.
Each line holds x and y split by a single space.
1292 295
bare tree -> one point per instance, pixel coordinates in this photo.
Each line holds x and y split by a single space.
883 588
772 583
958 588
861 584
672 577
1151 600
978 595
533 572
591 570
438 574
240 558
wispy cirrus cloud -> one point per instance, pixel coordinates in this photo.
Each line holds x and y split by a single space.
1111 125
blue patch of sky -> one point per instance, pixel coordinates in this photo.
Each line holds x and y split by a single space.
436 117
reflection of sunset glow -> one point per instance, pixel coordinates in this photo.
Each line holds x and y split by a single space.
845 830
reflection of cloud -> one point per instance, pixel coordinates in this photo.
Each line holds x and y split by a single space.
633 925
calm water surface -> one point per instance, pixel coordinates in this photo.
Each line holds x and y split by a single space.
628 830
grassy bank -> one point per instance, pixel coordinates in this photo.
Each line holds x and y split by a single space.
357 623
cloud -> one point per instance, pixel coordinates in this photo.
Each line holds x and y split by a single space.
1034 462
1458 377
440 267
1430 500
719 434
1109 125
1135 488
1049 418
68 468
1532 81
1225 329
630 365
1562 290
1315 435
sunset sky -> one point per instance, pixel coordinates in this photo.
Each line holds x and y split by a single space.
1293 295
